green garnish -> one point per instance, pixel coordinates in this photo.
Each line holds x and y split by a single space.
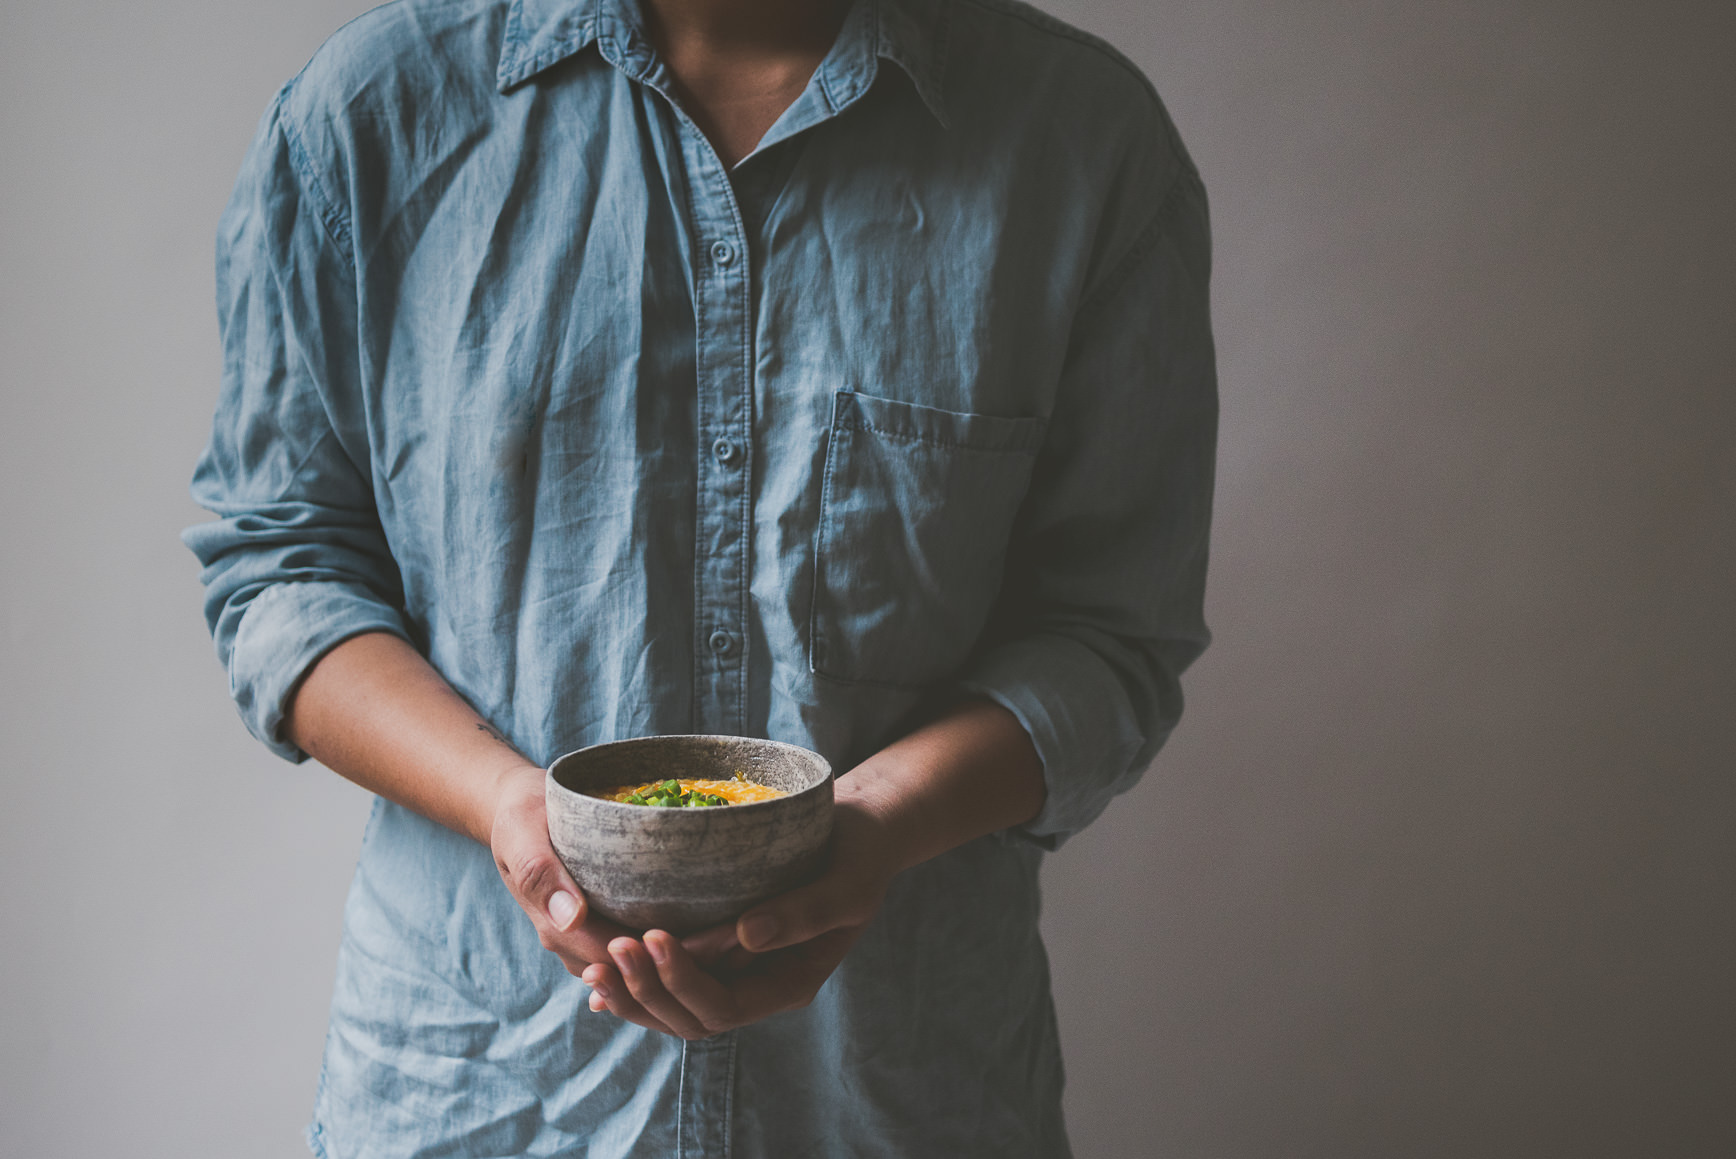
670 795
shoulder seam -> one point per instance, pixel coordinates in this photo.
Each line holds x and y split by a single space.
336 226
1142 241
1043 22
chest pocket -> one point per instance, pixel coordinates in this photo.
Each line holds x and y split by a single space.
916 510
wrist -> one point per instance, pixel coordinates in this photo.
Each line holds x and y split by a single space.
873 796
968 773
513 785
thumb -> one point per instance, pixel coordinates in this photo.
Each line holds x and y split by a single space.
534 873
805 913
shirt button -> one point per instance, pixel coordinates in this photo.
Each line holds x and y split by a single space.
722 252
724 450
721 641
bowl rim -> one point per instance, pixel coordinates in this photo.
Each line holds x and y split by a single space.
667 815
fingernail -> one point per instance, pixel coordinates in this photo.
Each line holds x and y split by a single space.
659 952
563 908
601 989
758 930
622 951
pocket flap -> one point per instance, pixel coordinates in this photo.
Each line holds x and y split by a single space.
927 424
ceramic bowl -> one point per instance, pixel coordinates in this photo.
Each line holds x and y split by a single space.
682 870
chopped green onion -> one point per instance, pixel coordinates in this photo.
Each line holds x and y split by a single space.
670 795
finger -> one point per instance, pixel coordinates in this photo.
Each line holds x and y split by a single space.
609 994
603 979
540 883
836 900
707 999
732 963
709 946
533 871
646 987
581 947
790 978
719 951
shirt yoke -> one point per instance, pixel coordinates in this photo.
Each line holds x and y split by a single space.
1014 70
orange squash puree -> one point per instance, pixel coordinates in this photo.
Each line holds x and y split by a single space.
739 791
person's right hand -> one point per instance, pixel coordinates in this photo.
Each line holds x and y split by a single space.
532 870
374 710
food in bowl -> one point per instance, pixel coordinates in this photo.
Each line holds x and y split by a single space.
690 792
686 869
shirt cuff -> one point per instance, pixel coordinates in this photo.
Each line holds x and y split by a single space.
1079 718
284 632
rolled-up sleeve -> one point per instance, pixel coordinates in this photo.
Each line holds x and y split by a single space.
296 561
1102 607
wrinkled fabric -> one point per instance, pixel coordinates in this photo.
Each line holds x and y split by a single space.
916 401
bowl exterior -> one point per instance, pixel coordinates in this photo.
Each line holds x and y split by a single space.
685 869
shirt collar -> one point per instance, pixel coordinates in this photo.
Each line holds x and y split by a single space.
910 33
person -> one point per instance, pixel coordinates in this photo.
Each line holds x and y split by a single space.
839 373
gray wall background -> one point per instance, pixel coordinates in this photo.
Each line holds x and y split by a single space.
1440 863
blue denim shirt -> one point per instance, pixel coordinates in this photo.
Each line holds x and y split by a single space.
918 398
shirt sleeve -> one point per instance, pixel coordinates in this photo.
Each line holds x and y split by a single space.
296 561
1102 604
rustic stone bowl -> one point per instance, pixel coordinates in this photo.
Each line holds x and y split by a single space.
683 870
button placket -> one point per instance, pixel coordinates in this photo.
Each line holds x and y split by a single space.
724 364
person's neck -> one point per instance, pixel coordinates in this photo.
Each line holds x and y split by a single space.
744 28
738 64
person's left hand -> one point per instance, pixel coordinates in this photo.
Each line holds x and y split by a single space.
774 958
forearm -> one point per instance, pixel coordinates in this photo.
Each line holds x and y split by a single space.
971 772
373 710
